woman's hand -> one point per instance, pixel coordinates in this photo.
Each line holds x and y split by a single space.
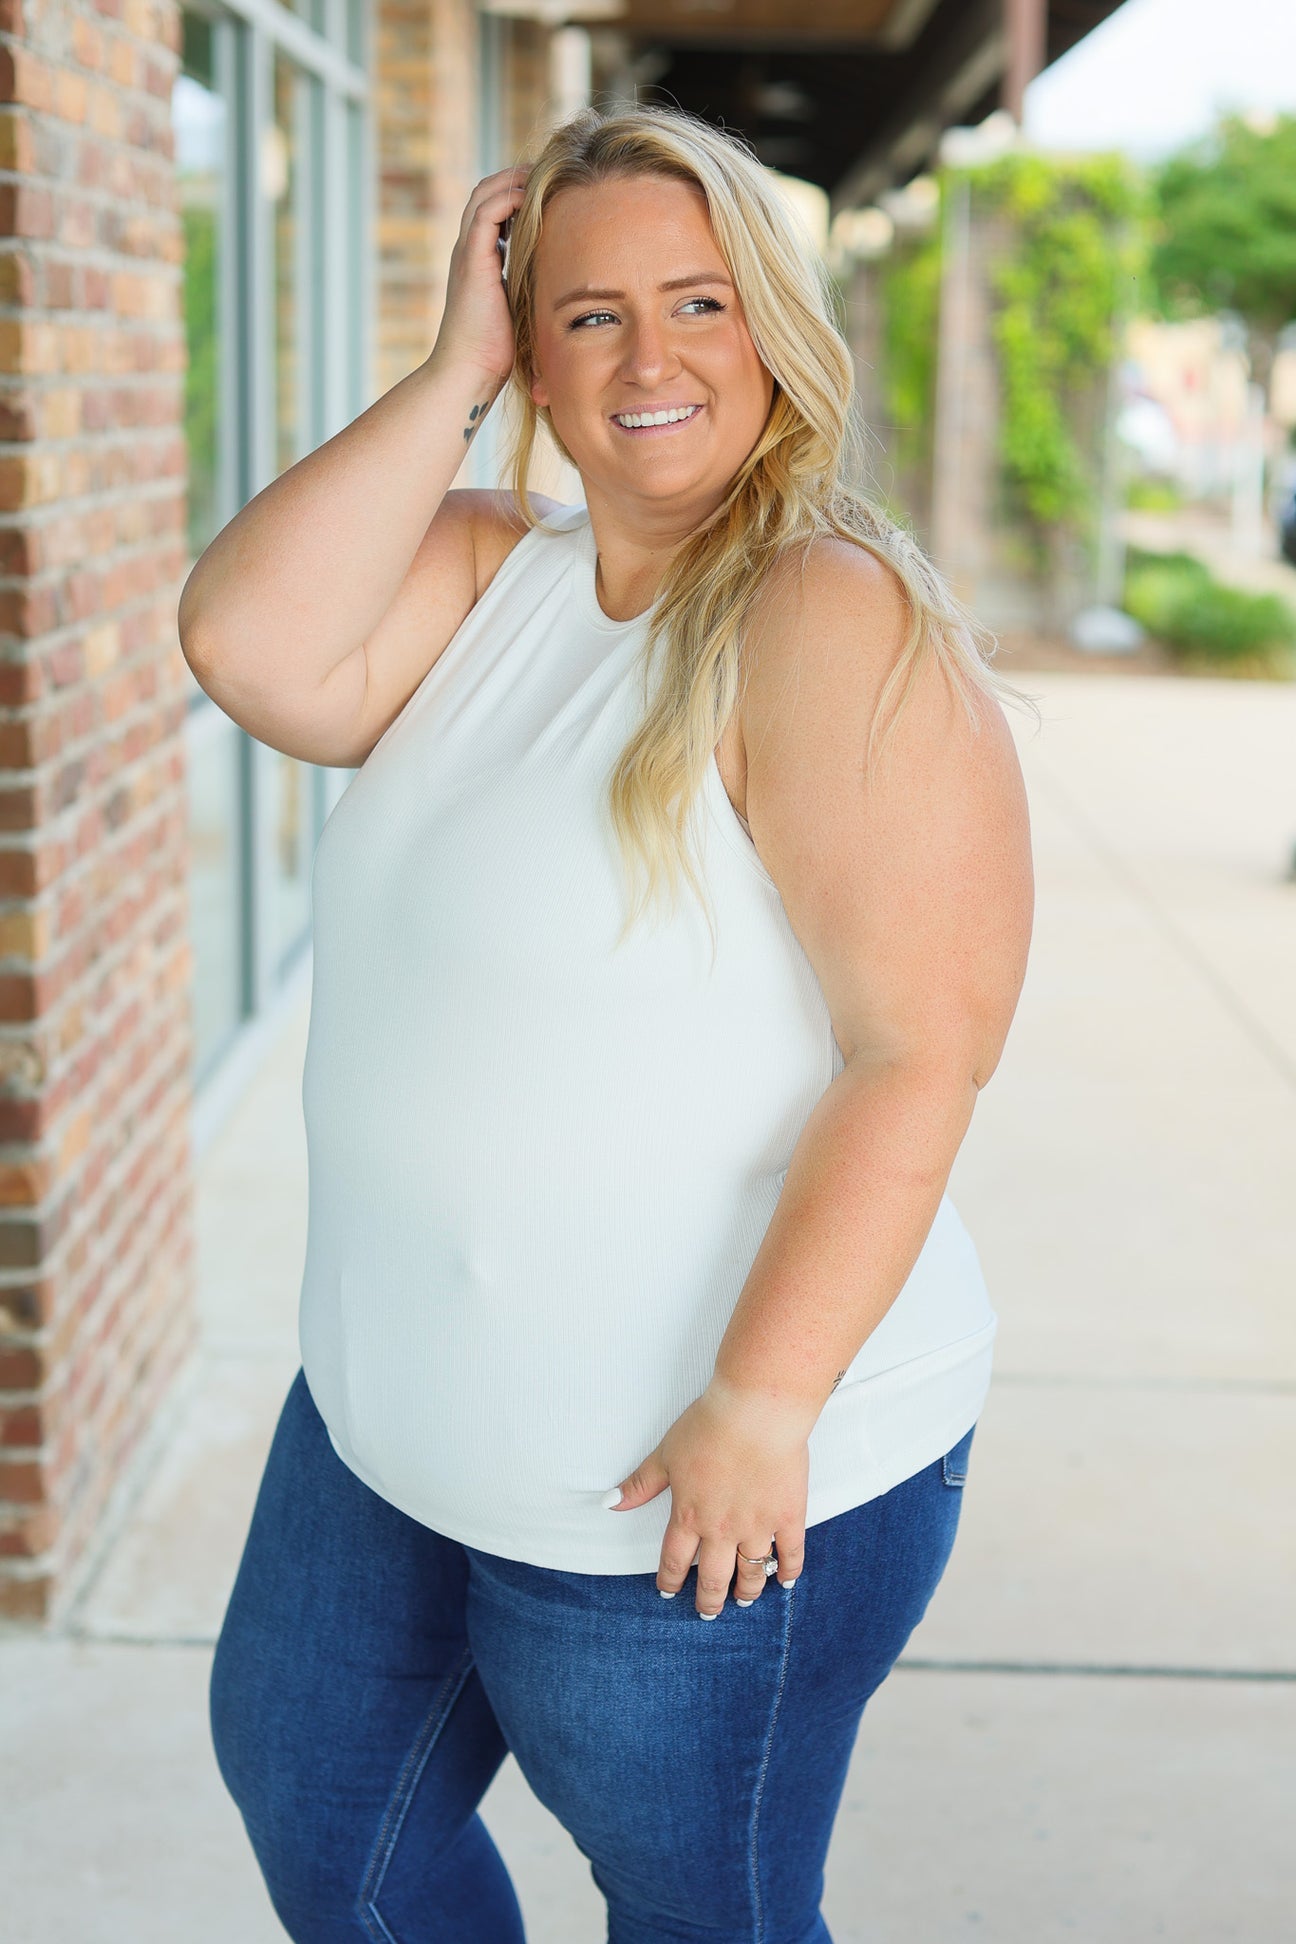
738 1467
477 325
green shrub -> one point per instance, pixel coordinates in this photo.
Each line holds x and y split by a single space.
1146 494
1179 601
1160 587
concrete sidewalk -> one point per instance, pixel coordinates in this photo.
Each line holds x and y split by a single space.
1092 1734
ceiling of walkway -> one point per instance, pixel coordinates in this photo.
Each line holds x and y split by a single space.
850 94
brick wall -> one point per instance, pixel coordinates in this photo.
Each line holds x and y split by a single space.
425 95
97 1310
529 106
96 1254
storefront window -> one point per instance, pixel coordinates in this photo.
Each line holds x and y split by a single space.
199 116
281 183
274 308
215 880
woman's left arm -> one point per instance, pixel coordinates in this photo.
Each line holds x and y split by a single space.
912 897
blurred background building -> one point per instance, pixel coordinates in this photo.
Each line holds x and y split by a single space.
224 231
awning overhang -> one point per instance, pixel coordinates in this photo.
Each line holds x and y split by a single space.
853 95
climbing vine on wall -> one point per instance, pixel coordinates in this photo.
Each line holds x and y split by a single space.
910 291
1069 271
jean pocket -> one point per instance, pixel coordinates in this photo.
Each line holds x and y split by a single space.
954 1465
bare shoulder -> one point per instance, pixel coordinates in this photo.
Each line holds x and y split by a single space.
497 527
825 644
831 581
830 624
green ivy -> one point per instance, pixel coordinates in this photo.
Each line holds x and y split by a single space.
1058 291
909 280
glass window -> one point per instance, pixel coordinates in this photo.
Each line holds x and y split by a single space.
311 11
215 879
292 840
281 182
358 397
270 159
199 116
355 31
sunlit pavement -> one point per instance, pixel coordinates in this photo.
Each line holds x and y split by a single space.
1092 1734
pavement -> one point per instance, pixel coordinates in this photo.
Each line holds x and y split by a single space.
1092 1732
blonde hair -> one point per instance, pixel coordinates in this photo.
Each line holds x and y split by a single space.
794 485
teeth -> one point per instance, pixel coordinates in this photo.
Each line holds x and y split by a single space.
654 418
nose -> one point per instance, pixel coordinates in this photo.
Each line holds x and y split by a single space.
649 357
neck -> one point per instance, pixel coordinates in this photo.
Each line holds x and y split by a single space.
634 552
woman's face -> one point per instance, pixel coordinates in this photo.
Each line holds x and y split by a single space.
638 348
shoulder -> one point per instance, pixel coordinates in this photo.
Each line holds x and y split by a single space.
497 526
837 626
828 627
831 583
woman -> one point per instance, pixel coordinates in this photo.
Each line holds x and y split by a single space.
630 1269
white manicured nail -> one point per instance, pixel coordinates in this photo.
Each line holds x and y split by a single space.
609 1499
738 1602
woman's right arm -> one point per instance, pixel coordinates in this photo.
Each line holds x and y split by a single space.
280 618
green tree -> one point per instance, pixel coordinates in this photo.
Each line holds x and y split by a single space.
1226 231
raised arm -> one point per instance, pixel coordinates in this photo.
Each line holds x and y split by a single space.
275 616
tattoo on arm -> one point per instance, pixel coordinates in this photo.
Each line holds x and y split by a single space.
477 412
836 1380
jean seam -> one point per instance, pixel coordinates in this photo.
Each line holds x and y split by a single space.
789 1596
401 1797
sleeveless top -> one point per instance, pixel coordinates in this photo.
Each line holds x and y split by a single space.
540 1167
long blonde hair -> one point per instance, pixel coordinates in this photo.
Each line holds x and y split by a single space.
793 486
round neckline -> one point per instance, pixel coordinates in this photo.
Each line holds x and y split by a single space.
586 586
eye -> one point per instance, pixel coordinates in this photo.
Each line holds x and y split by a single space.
577 322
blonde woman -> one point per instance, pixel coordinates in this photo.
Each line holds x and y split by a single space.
675 916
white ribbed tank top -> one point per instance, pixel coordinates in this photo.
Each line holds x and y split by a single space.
540 1168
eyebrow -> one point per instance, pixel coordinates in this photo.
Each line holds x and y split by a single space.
586 292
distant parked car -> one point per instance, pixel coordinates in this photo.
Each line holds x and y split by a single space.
1287 527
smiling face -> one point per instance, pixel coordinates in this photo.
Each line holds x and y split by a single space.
636 348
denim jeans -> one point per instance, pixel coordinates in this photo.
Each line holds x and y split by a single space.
371 1675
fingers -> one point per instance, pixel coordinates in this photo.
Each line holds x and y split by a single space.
678 1552
751 1576
790 1541
501 191
720 1564
715 1570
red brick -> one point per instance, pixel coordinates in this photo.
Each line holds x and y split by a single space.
23 1481
22 1367
22 1426
30 1596
30 1533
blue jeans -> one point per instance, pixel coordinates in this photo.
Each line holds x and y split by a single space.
371 1675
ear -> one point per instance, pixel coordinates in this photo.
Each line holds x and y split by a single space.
539 391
